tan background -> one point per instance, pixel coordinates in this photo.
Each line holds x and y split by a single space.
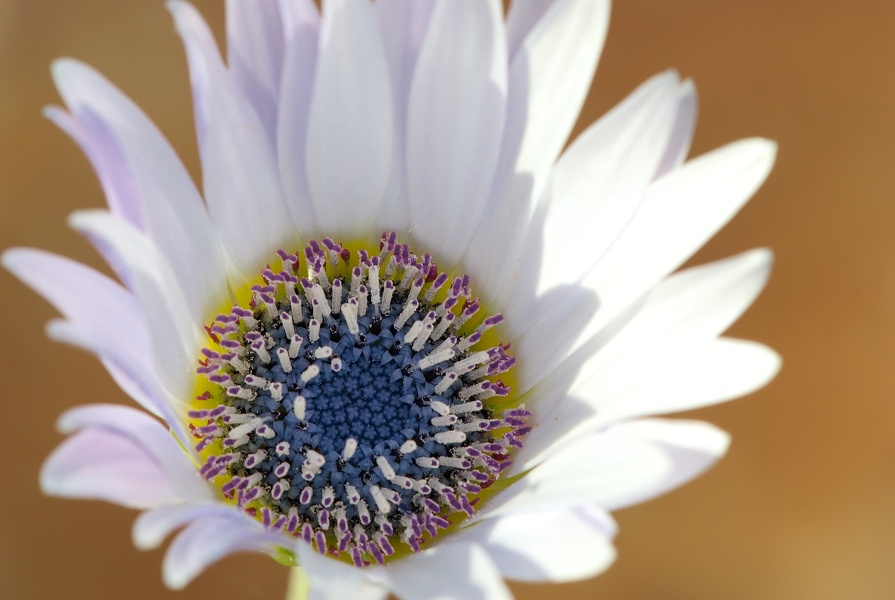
803 506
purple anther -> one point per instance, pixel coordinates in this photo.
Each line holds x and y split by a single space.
493 320
479 476
205 370
470 488
292 525
279 523
320 542
386 528
282 469
232 484
307 532
199 414
440 522
356 558
377 553
467 507
385 545
220 379
514 421
266 516
306 495
415 526
431 504
343 543
217 411
429 525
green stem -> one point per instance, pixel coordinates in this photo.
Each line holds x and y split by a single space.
299 585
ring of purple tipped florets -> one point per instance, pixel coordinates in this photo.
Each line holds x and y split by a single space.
351 407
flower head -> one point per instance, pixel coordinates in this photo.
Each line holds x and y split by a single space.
400 338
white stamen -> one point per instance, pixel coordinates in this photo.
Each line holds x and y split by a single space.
440 407
462 366
320 296
295 304
352 494
349 449
381 503
335 364
283 448
255 459
387 471
286 320
256 381
245 428
266 432
409 309
295 345
238 365
239 392
443 325
466 407
337 296
373 282
276 390
445 421
261 351
451 461
427 462
314 331
407 447
362 300
403 482
298 407
285 362
349 310
323 352
421 340
452 436
385 305
472 390
310 373
445 383
328 497
414 331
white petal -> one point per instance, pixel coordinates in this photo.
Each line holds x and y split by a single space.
105 465
149 435
404 24
623 465
600 180
255 49
448 571
120 139
674 326
681 377
103 317
455 123
548 82
332 579
552 545
522 16
108 160
682 135
239 167
301 22
153 526
680 212
697 303
174 337
349 149
208 540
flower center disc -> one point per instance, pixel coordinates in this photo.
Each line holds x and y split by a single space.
353 408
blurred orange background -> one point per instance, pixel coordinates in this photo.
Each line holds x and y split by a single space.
804 504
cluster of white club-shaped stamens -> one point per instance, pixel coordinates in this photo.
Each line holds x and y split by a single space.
351 407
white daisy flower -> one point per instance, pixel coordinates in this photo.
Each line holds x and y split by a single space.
429 410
